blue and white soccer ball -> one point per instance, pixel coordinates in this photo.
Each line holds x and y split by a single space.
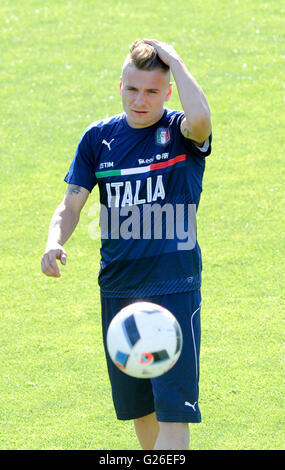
144 340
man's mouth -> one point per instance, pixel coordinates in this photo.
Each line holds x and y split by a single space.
139 112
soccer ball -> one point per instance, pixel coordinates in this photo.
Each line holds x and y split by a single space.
144 340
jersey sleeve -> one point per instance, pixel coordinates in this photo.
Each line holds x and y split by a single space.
200 152
82 168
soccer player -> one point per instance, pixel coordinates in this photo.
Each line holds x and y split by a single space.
148 161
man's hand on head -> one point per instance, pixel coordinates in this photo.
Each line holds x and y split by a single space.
165 51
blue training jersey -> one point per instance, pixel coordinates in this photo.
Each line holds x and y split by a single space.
150 182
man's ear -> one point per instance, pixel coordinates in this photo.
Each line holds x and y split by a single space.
169 92
121 84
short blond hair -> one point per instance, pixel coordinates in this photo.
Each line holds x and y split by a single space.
144 57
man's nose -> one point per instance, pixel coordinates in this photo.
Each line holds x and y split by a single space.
140 99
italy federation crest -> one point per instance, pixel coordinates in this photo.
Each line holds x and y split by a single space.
162 136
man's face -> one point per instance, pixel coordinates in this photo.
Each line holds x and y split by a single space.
143 95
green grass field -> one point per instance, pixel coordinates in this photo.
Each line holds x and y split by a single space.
61 64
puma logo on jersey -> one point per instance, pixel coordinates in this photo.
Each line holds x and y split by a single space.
108 144
189 404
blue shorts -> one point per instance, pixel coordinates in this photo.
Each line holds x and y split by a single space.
173 395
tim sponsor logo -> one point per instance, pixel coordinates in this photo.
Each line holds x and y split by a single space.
106 165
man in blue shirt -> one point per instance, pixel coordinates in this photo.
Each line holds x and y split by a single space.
148 163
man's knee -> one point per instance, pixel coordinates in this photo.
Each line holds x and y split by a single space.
174 427
146 419
174 435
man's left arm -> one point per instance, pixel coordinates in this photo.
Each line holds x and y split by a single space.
196 125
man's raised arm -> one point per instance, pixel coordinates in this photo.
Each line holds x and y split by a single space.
196 125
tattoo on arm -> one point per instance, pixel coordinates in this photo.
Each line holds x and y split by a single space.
186 132
73 189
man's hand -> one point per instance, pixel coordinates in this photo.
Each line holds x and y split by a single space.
166 52
49 264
